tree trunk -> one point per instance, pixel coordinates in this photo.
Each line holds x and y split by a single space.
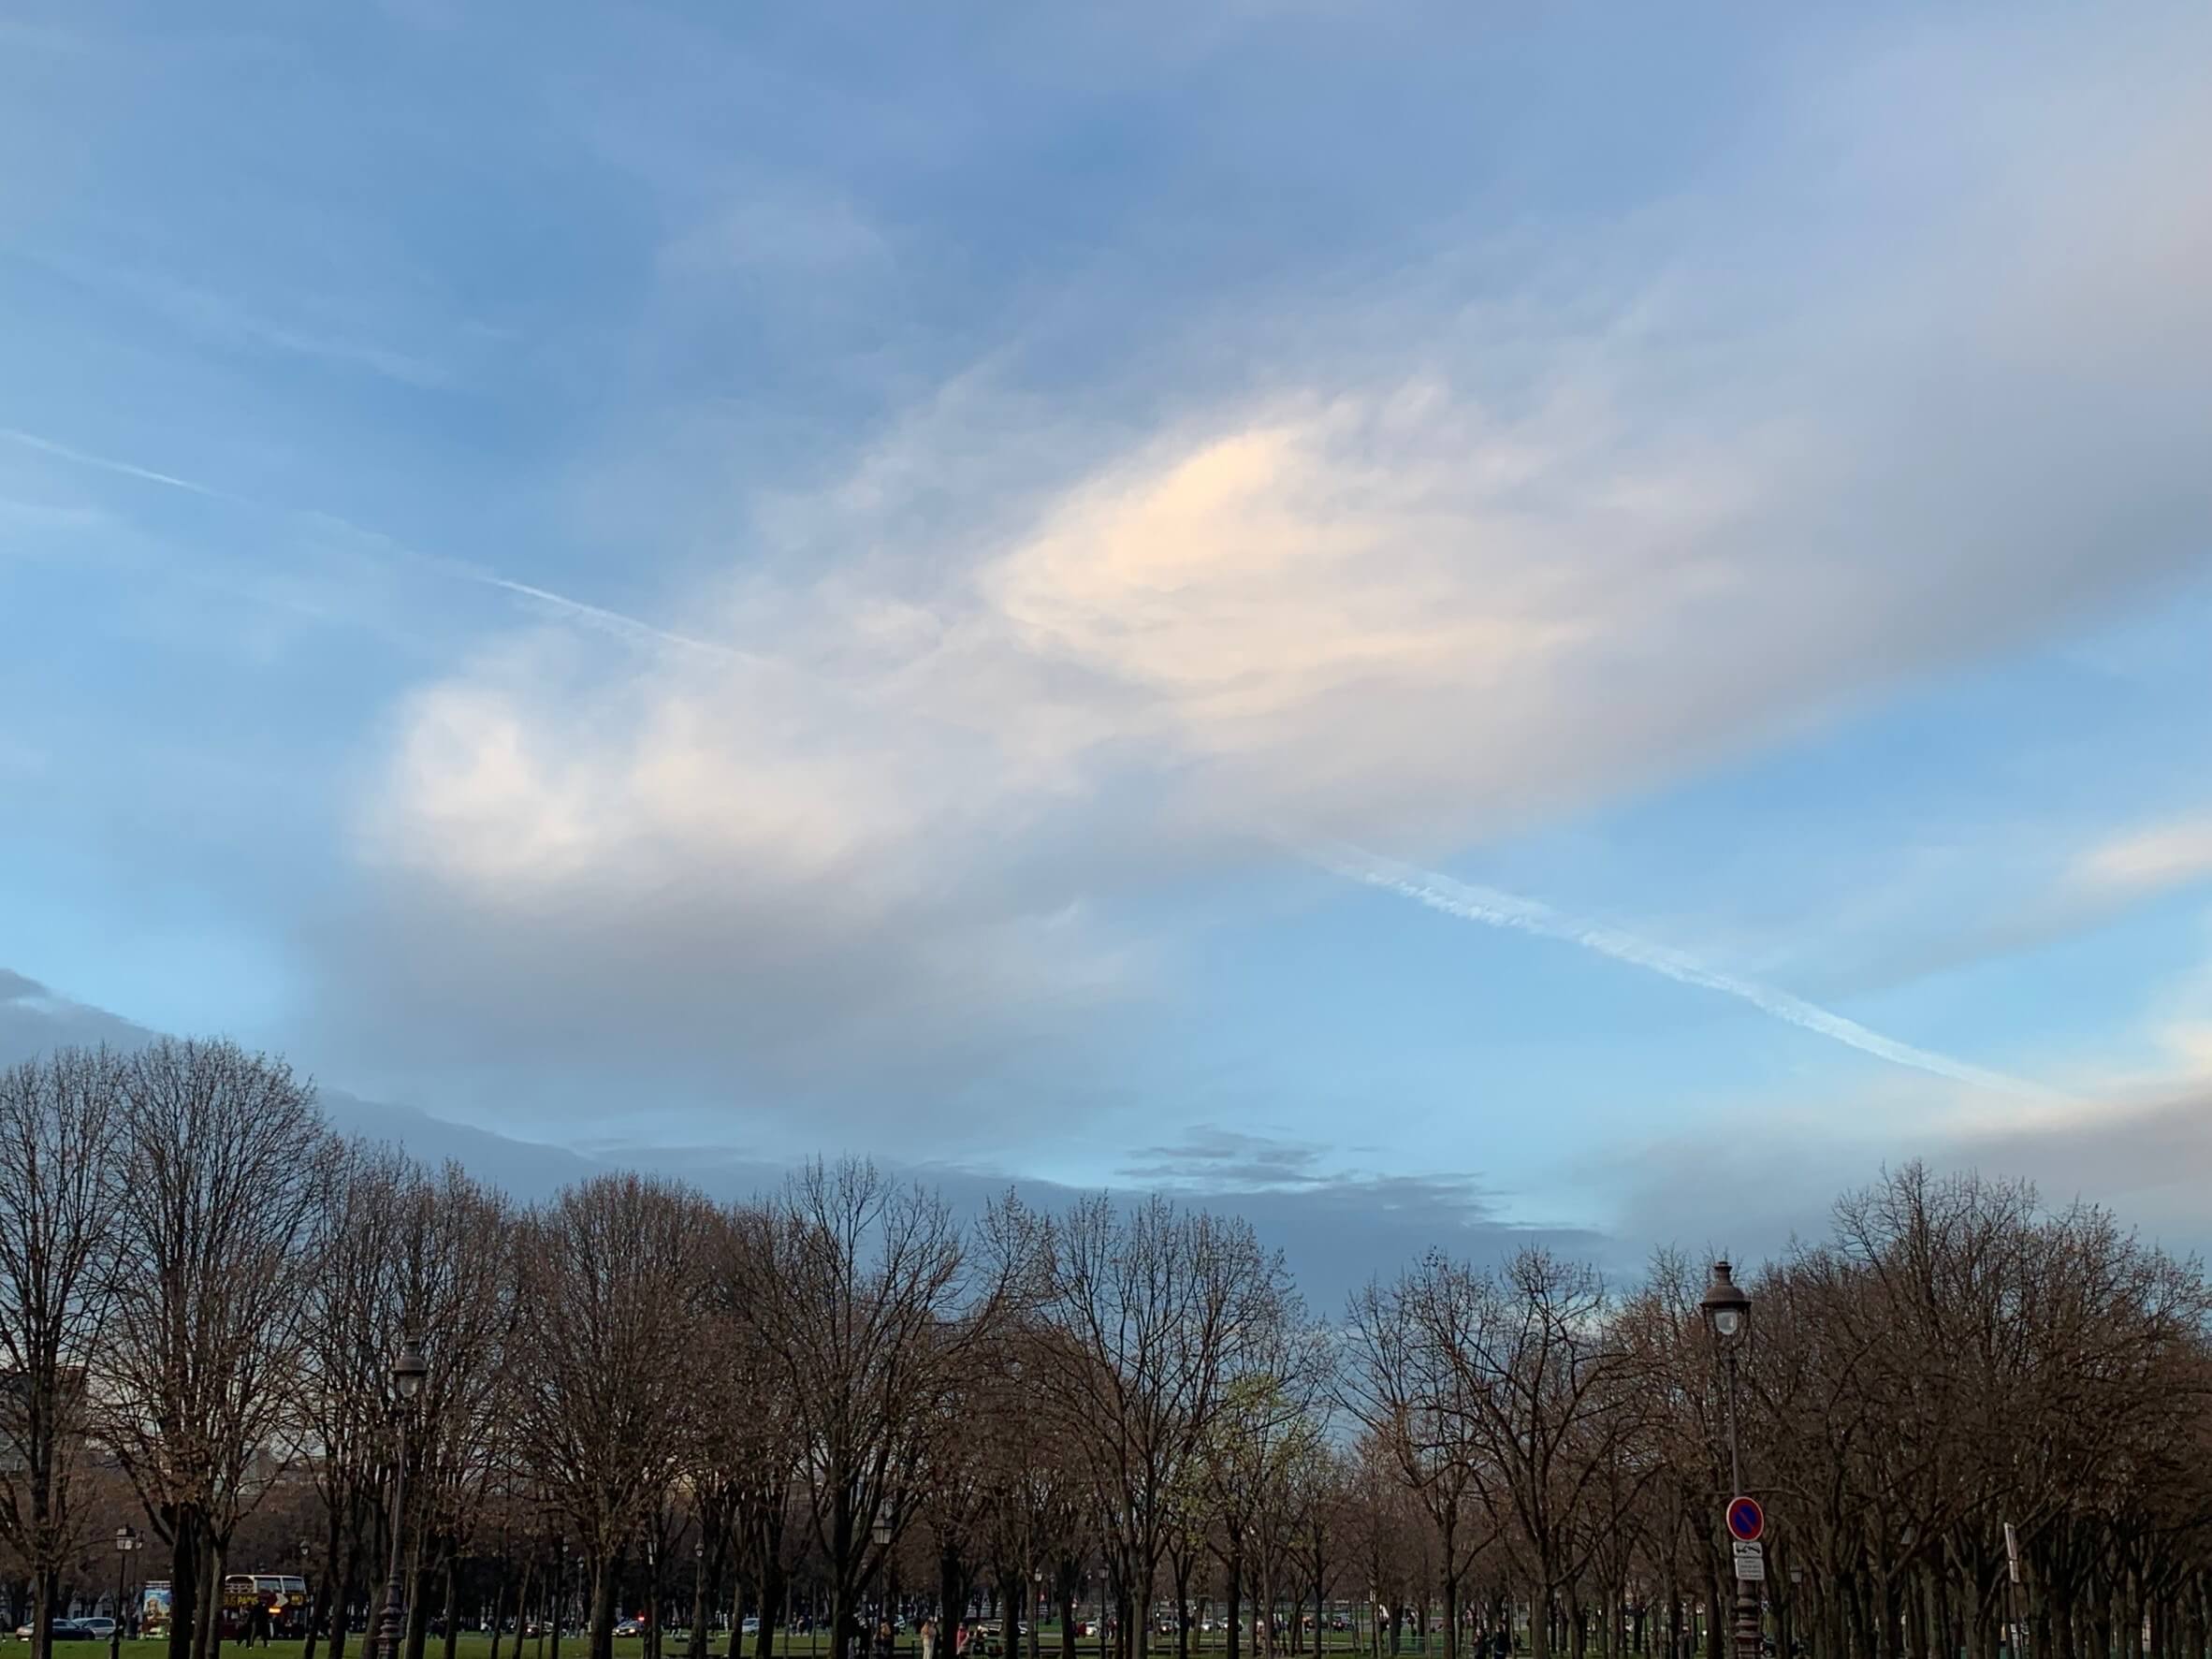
417 1627
208 1629
771 1609
452 1603
952 1599
602 1608
46 1587
530 1563
348 1587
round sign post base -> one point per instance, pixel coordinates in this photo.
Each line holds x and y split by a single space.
1747 1621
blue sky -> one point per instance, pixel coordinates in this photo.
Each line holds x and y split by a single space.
972 585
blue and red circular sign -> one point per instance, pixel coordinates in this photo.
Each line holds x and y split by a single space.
1746 1520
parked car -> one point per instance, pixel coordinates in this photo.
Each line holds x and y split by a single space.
76 1630
101 1628
749 1625
631 1627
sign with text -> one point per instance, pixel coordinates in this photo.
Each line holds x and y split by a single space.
1751 1562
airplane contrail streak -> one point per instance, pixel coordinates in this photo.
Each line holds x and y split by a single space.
633 629
1493 908
615 622
80 458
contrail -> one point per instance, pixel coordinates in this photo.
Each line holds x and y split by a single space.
1495 909
631 628
147 474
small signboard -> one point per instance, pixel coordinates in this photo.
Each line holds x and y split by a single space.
1751 1562
1747 1522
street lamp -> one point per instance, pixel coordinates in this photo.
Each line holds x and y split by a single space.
1727 1316
881 1533
125 1541
408 1371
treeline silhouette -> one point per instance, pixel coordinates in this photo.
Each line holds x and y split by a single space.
841 1392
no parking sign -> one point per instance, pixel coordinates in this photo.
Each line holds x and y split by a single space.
1747 1522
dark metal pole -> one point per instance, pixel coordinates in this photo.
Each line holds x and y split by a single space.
1747 1590
122 1555
388 1624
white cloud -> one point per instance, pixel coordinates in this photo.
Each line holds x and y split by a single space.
1407 600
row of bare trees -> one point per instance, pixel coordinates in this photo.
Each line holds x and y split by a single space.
657 1402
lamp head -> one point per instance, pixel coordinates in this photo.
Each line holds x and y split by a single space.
409 1369
1725 1305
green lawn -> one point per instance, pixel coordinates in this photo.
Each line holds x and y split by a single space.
816 1646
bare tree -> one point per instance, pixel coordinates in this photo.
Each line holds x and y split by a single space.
867 1301
1158 1310
612 1277
57 1254
456 1294
1402 1387
346 1326
227 1160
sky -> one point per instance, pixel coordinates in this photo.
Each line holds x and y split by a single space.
1444 624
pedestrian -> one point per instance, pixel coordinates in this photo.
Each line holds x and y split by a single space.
929 1639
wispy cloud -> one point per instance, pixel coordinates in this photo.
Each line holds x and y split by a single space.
2150 859
1492 907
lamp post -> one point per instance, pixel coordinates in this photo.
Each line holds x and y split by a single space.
880 1534
408 1371
1727 1316
125 1541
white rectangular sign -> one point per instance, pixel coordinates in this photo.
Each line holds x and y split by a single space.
1751 1563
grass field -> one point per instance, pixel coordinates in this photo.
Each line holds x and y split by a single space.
816 1646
